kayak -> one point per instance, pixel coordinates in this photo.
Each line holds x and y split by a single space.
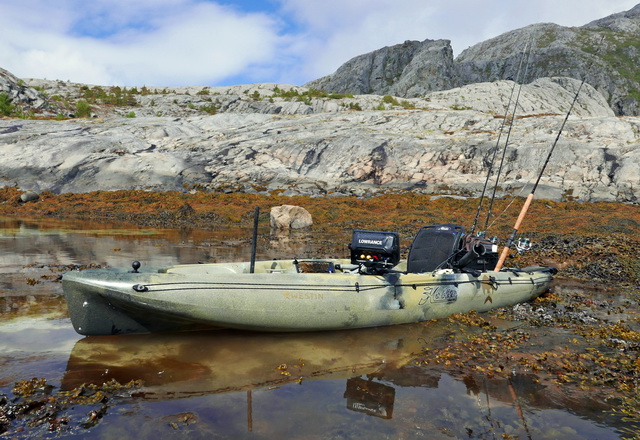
446 272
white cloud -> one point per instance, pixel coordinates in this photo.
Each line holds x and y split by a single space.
196 43
204 44
74 64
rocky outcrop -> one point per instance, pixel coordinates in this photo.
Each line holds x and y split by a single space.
626 21
23 98
408 70
441 143
605 52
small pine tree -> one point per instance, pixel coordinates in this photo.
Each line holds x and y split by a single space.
6 107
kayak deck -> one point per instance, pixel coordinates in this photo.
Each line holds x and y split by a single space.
283 295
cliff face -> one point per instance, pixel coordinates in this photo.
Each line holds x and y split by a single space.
605 52
408 70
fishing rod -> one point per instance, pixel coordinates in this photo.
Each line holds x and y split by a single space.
495 150
504 151
527 203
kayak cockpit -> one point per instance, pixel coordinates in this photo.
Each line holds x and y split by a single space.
266 267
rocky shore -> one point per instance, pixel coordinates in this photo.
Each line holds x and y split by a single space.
264 138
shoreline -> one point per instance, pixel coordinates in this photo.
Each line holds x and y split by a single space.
596 241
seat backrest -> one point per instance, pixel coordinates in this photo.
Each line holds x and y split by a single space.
433 246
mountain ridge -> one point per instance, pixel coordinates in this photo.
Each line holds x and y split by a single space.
603 52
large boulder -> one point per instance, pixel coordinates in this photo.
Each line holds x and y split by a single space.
29 196
290 217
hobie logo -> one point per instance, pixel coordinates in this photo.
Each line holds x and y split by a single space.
439 294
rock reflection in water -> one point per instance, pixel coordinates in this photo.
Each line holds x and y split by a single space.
224 361
334 379
57 242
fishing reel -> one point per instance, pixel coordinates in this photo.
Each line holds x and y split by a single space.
523 245
483 235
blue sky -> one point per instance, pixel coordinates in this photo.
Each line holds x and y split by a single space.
227 42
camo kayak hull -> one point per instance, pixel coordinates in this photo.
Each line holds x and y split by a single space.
278 297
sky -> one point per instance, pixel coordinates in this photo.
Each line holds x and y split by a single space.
228 42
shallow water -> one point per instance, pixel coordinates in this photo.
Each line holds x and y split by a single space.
230 384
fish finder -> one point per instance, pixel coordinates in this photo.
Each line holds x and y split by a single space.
376 250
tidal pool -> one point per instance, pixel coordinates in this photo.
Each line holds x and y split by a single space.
353 384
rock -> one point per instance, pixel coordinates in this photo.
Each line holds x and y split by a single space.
611 65
29 196
22 97
627 21
409 70
290 217
604 52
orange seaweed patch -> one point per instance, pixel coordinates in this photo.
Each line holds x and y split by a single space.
398 210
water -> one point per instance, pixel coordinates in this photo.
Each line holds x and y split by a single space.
354 384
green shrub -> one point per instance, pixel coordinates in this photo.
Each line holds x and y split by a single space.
340 95
29 114
407 104
211 109
6 107
130 115
114 96
83 109
390 100
306 96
